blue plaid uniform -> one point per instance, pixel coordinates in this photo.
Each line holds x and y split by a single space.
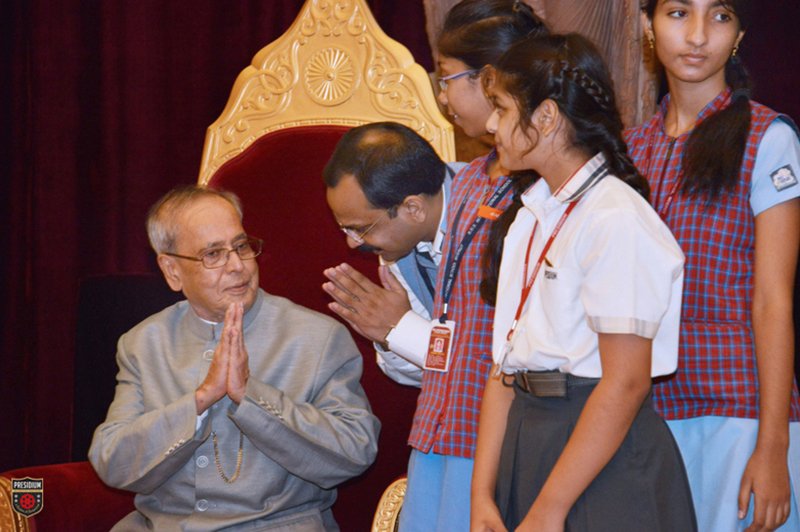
717 373
446 420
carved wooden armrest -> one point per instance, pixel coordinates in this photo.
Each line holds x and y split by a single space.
387 515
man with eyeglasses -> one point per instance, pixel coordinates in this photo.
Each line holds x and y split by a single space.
388 189
234 409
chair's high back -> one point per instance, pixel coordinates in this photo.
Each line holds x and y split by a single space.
334 66
333 69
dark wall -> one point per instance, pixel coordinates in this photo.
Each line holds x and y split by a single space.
771 52
103 108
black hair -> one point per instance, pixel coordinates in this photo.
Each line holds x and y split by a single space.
712 158
478 32
490 260
390 162
569 70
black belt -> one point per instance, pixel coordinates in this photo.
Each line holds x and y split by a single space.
549 383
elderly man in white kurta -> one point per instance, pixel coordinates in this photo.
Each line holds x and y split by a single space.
234 409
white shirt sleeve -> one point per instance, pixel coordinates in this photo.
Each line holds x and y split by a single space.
628 283
200 419
410 337
403 363
635 285
398 368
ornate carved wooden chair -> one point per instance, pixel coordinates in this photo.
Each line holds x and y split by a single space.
333 69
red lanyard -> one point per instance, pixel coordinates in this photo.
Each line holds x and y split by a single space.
597 174
526 290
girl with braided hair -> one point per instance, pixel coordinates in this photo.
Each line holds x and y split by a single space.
588 309
723 173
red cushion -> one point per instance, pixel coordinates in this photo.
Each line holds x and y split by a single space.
74 498
279 180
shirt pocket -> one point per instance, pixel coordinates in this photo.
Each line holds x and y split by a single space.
561 310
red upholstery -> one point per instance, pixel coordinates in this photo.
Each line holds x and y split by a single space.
279 179
75 499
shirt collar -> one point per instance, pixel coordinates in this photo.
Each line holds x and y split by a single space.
582 180
490 157
719 102
435 248
213 331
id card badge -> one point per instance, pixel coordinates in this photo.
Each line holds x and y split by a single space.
439 344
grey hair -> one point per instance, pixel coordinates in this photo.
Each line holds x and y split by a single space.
161 219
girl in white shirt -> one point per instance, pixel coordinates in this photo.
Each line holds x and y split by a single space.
588 306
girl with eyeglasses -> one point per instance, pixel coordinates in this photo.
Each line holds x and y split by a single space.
475 33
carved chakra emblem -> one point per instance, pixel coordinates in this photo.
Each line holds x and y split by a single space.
330 76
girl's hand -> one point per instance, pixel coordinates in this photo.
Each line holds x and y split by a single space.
766 477
540 518
484 516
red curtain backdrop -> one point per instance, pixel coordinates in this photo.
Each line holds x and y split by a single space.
103 108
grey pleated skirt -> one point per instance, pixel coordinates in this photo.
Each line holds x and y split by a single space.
643 488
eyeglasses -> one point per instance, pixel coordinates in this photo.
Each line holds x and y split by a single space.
359 237
247 249
443 81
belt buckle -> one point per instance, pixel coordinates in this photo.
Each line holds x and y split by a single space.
544 384
522 382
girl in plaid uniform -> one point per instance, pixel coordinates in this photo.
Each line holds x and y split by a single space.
475 33
588 308
723 174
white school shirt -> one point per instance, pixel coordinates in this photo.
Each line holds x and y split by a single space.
613 268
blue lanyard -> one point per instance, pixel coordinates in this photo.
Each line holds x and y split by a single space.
454 261
423 273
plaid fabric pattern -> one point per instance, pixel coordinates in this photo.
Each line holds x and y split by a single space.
717 373
446 420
